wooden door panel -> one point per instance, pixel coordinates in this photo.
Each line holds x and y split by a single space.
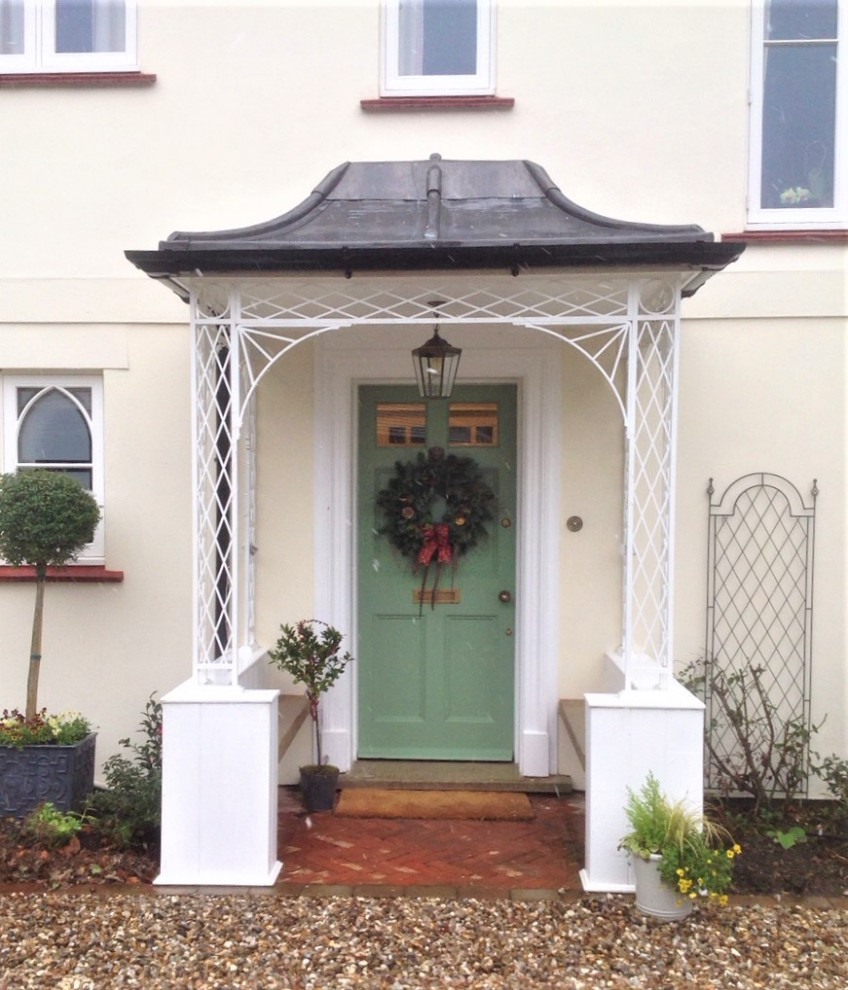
436 681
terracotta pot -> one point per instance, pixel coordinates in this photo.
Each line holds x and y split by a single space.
653 896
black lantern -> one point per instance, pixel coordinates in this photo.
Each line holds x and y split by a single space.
436 364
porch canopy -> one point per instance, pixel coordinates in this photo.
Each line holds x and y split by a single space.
498 244
436 215
609 287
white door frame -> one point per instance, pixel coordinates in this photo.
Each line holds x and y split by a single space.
350 357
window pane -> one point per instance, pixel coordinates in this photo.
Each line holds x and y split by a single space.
25 396
11 27
473 424
799 126
437 37
401 424
54 431
90 26
801 19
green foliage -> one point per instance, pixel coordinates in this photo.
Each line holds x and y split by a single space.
311 657
834 772
653 821
698 867
691 846
47 826
431 482
43 729
787 838
769 755
46 518
129 811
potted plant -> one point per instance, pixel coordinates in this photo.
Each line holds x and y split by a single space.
677 854
310 652
46 518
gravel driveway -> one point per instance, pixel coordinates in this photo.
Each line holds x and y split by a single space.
99 941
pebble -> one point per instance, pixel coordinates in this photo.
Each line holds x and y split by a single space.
88 941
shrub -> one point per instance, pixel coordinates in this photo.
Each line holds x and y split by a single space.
768 755
46 518
834 772
129 811
49 827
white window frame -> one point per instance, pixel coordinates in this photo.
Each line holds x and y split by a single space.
94 553
392 83
796 218
40 55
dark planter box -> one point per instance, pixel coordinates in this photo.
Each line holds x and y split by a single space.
63 775
318 788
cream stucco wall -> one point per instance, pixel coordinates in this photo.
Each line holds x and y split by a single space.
636 112
591 559
108 646
285 523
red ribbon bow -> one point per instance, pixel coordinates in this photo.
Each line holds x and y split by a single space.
436 544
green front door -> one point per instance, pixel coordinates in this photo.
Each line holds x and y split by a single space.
436 647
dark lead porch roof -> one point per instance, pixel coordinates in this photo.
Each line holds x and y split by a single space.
442 215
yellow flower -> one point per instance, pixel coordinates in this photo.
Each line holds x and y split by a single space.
737 848
680 872
730 853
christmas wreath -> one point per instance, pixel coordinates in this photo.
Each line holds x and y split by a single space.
436 509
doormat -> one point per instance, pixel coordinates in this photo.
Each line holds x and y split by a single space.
372 802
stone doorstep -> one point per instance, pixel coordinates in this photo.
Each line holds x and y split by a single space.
442 775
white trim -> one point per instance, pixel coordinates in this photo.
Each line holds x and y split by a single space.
94 553
392 83
488 356
795 218
40 53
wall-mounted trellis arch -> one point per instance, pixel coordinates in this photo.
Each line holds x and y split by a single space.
759 620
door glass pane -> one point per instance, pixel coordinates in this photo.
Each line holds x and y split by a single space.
799 126
54 431
90 26
437 37
11 27
473 424
401 424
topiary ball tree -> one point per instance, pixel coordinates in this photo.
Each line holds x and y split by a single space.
46 518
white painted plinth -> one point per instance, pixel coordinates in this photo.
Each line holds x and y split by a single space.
628 735
219 787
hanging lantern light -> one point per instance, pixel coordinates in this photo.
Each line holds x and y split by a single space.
436 363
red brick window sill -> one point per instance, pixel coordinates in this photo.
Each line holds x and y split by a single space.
824 236
73 572
77 78
390 103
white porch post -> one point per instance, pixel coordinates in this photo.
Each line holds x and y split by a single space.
219 788
652 723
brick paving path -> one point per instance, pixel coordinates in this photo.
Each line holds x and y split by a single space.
545 853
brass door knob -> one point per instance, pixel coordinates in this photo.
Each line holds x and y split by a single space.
505 597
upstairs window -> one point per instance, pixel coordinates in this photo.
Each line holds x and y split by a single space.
56 424
799 104
438 48
67 35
